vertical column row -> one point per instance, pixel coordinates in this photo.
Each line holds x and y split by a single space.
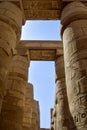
14 100
10 29
74 35
31 119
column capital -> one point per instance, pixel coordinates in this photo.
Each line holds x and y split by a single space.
72 12
12 14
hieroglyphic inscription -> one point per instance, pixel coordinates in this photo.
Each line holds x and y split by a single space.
75 57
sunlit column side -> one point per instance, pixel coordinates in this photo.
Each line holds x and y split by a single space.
31 118
61 103
10 28
12 112
74 36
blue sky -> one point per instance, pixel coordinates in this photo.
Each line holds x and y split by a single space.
42 73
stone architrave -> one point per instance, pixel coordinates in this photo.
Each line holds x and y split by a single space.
11 117
61 102
31 118
74 35
10 29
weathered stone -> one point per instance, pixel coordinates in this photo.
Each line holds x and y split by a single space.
41 50
29 91
31 118
61 102
14 100
54 118
19 112
43 129
10 28
75 56
51 118
41 10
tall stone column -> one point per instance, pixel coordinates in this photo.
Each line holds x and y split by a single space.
10 27
11 117
31 119
61 102
74 35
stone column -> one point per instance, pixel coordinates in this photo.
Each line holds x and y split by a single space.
31 119
10 28
52 119
74 35
27 118
11 117
61 103
36 115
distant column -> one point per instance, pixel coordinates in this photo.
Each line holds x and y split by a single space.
31 118
52 119
35 116
10 29
61 103
74 35
11 117
27 117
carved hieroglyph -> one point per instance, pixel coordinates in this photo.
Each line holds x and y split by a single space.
74 34
61 103
11 117
10 28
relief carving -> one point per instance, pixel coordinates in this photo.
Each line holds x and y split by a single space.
80 116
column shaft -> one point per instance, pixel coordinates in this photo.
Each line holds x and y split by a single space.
61 103
74 34
52 119
11 117
31 119
10 26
